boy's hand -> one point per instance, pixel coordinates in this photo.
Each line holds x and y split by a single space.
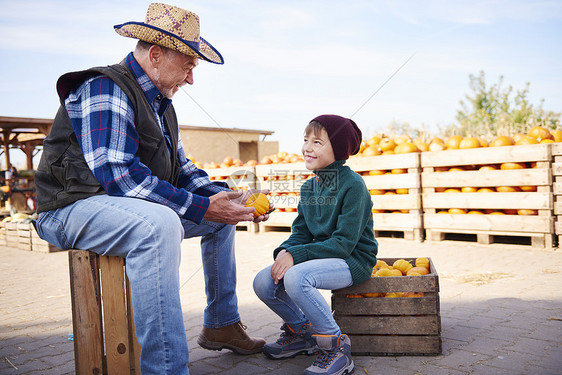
282 263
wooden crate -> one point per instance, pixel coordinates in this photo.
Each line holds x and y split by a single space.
12 239
538 227
105 340
24 235
284 182
557 188
237 178
2 233
391 326
397 204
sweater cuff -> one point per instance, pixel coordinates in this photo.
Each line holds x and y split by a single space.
299 253
197 209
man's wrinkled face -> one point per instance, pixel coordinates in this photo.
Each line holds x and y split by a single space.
174 71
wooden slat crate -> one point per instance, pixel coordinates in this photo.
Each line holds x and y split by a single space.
24 236
391 326
105 341
529 207
237 178
12 235
2 233
284 182
557 188
394 182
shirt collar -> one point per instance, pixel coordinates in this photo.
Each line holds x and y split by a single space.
158 101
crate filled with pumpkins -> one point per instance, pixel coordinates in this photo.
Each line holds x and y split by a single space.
395 312
499 191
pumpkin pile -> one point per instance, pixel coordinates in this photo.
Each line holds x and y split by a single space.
400 267
382 144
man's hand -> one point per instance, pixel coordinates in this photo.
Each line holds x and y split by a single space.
282 263
244 197
225 207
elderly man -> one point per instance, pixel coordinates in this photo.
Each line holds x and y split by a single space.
114 179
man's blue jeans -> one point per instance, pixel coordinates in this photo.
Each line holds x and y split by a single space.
296 298
148 236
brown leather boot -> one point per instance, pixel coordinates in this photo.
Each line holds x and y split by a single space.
231 337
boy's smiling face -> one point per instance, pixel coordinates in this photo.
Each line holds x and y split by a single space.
317 150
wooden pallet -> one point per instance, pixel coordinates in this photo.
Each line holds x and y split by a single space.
394 213
382 326
538 227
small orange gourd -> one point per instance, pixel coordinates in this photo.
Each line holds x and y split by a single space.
260 202
422 262
403 265
417 271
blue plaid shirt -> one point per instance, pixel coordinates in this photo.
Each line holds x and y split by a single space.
103 120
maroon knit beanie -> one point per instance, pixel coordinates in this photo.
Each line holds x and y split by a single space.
344 135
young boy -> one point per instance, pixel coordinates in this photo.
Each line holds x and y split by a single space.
332 246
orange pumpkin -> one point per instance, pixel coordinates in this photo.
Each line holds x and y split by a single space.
469 142
371 151
417 271
507 189
387 144
405 148
502 140
260 202
526 140
403 265
557 135
540 133
422 262
453 142
510 165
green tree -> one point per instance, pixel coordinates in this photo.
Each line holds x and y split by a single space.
492 111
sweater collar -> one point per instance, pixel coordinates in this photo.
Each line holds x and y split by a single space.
329 173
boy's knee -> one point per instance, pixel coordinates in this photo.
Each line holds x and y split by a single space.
262 283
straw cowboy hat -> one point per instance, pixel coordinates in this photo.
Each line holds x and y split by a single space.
173 28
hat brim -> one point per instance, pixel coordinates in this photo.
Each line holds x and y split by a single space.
151 34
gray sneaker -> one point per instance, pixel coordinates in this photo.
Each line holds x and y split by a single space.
291 343
334 357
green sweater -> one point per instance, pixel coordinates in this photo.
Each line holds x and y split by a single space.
335 220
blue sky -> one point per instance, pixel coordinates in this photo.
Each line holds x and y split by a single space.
289 61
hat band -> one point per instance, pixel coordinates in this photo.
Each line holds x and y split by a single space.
193 45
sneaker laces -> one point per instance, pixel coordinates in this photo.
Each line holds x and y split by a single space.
325 358
287 336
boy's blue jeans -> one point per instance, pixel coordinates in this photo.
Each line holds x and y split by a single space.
296 298
148 236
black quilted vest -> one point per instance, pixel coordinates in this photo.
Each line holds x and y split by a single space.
63 177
